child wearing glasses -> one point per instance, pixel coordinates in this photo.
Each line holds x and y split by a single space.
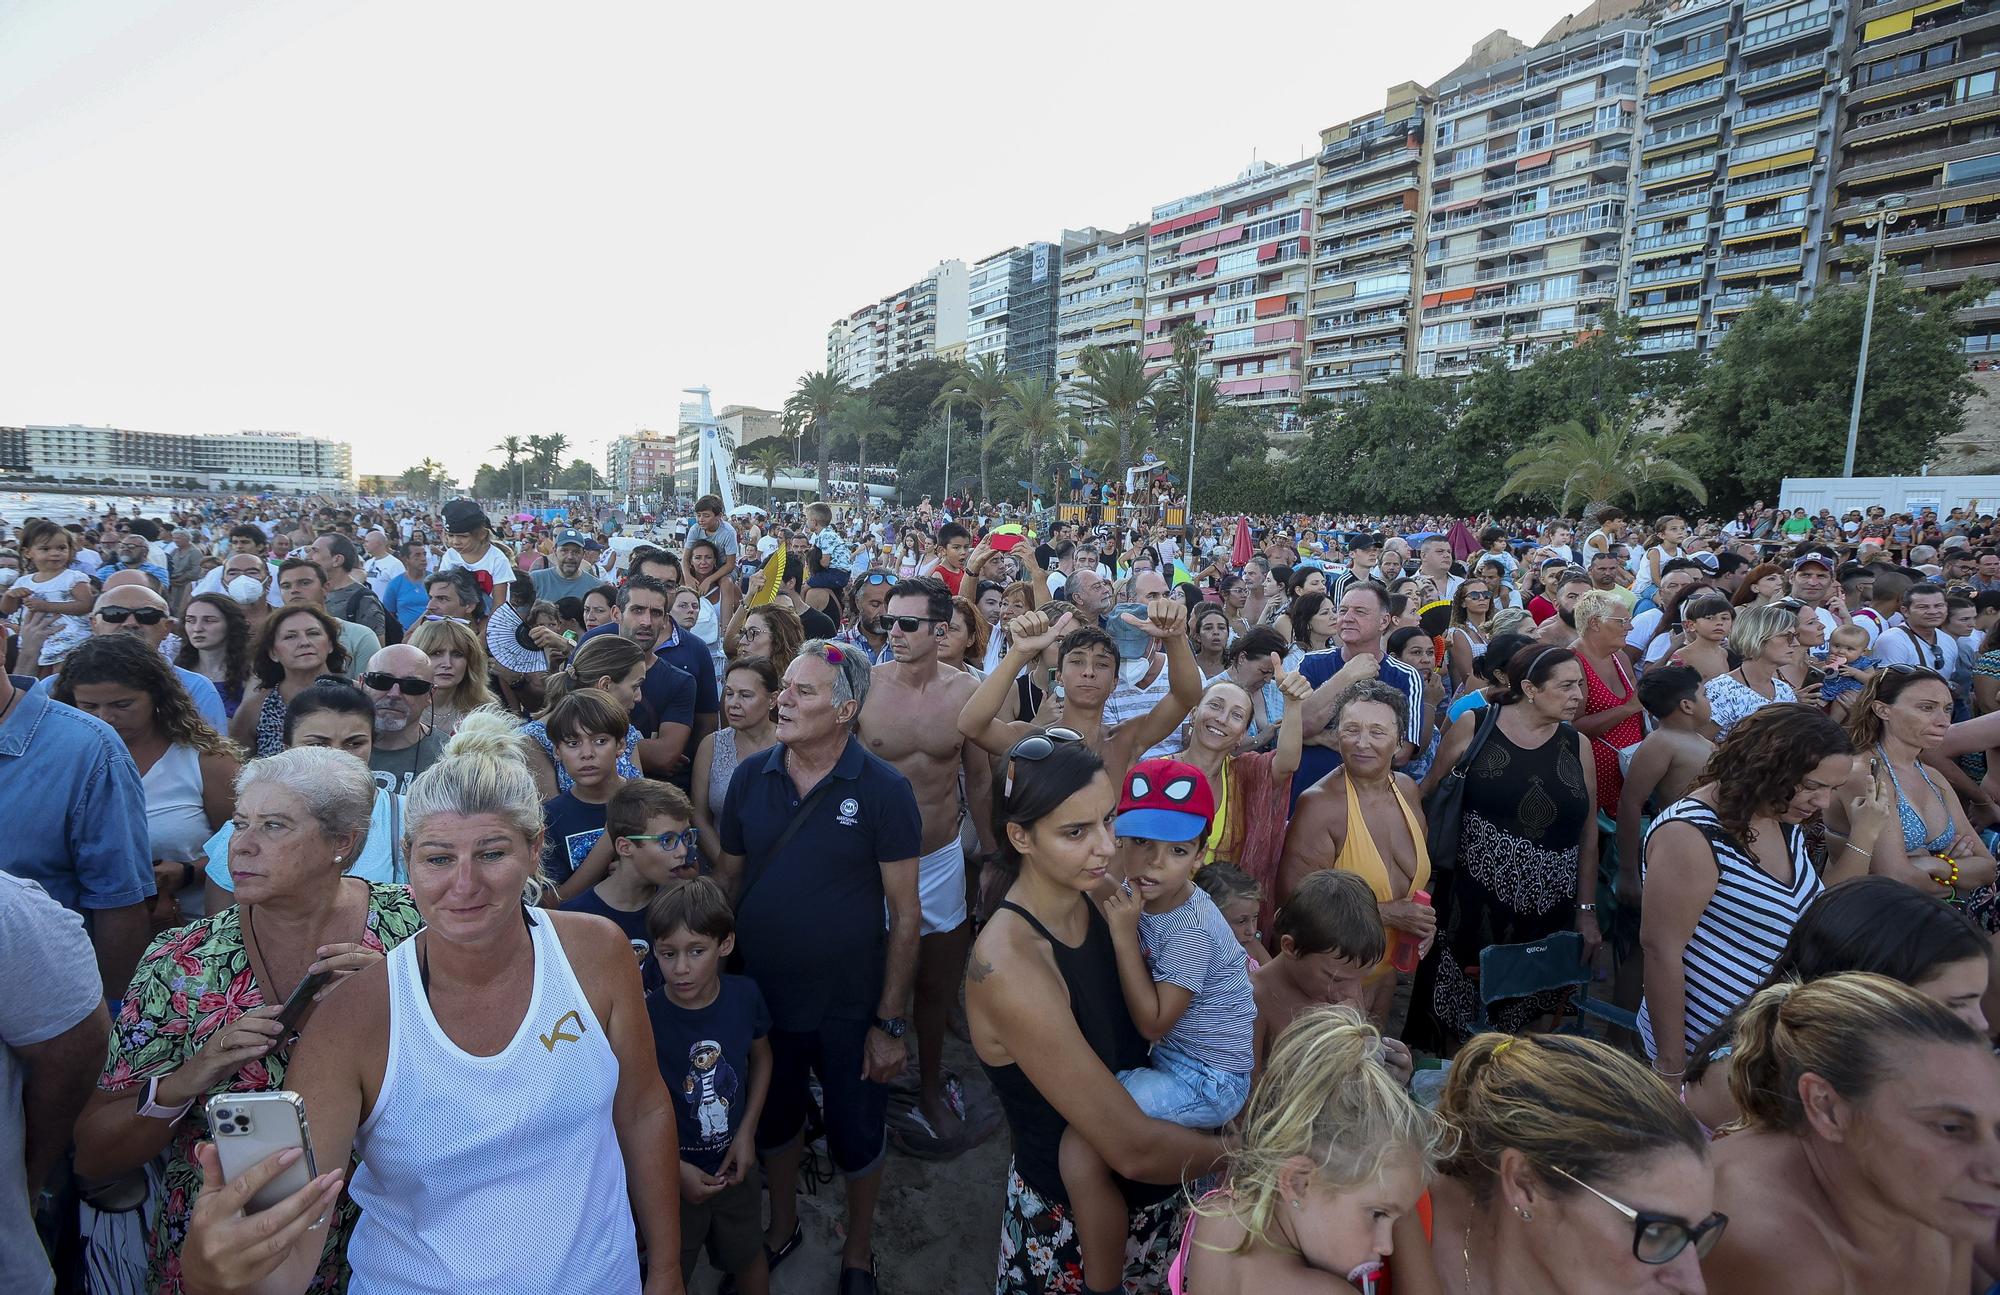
1186 984
646 823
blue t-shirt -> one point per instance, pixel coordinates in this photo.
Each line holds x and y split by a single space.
573 826
78 829
692 656
1316 762
809 921
704 1056
632 922
1193 946
1472 701
408 599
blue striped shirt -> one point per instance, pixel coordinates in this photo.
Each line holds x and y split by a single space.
1193 947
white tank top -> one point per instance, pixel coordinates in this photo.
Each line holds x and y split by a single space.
175 818
494 1173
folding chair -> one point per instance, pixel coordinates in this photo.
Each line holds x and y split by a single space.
1552 962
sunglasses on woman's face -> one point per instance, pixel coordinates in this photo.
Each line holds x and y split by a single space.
119 615
381 681
1035 746
1659 1238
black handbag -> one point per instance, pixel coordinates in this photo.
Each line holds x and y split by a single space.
1444 808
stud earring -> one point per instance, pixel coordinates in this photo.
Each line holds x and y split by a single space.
1527 1216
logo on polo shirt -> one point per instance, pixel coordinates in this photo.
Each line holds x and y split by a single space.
849 808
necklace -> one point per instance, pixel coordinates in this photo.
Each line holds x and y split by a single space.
1465 1252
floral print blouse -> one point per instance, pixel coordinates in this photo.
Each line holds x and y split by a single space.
193 981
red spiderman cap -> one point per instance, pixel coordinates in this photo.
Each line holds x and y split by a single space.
1166 800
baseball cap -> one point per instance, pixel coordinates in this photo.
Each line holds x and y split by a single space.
1808 559
1165 800
569 535
462 517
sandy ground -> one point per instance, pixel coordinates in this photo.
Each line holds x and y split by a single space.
937 1228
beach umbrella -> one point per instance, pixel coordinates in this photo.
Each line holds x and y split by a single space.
1240 549
1182 576
1463 542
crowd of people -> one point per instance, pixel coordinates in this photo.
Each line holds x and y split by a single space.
1326 903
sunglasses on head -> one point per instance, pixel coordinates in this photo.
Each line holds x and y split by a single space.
878 578
119 615
1659 1238
381 681
1035 746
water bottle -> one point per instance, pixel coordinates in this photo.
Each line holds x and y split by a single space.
1405 957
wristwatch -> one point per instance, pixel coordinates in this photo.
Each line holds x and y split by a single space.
894 1026
152 1110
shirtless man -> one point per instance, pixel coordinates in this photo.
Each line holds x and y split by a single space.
1087 671
907 720
1368 724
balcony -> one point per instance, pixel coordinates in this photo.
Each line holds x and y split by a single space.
1458 103
1679 340
1692 200
1584 260
1738 190
1659 244
1686 130
1667 274
1356 224
1743 298
1924 115
1399 157
1758 262
1799 30
1784 107
1682 96
1361 324
1693 58
1775 222
1779 71
1666 309
1701 165
1347 197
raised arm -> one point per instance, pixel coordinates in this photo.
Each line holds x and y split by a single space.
1165 620
1292 728
980 719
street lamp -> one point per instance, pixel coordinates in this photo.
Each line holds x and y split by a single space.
1882 211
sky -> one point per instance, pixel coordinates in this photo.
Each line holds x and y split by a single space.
425 225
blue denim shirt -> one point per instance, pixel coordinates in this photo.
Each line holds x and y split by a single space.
77 825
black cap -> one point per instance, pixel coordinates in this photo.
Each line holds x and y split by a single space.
462 517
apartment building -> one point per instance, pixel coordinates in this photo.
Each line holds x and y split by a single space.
1235 259
1370 209
1101 300
1729 193
1530 164
1012 308
1920 123
166 460
640 463
922 322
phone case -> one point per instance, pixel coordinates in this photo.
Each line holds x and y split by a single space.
249 1127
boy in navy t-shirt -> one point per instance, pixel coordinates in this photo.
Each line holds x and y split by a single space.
709 1034
646 829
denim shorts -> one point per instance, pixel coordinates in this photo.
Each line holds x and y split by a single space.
1180 1090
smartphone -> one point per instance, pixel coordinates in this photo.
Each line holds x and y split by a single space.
295 1007
250 1127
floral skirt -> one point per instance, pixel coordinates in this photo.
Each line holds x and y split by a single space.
1040 1255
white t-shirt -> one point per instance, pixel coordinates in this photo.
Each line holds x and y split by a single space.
493 562
381 571
1898 646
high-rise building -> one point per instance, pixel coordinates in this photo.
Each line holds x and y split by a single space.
1730 187
165 460
640 463
1920 121
740 425
921 322
1365 245
1234 259
1102 302
1011 309
1530 162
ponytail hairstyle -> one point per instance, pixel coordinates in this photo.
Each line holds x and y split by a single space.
1324 1096
484 771
1848 1029
608 656
1563 1102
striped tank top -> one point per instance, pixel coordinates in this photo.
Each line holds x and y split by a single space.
1739 935
494 1173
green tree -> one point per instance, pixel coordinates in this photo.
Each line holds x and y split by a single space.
428 477
1773 402
767 459
579 476
907 394
859 417
491 482
516 450
983 385
1395 448
1600 463
1033 418
810 407
1115 385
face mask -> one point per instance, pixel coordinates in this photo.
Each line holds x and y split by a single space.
1132 671
245 589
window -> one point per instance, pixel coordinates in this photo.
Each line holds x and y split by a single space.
1559 286
1527 231
1559 317
1579 94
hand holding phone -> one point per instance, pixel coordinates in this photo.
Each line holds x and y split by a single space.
250 1127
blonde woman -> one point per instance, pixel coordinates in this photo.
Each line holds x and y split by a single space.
1766 640
458 663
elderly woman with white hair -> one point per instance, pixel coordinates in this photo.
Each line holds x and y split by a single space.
200 1016
1766 639
1611 718
492 1081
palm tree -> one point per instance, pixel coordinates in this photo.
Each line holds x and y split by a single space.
860 417
1115 383
810 406
515 449
1034 416
766 460
1615 460
982 384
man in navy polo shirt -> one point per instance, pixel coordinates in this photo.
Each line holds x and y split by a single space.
1358 653
668 643
667 694
809 903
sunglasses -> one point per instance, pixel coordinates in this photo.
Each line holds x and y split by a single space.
1477 593
1035 746
908 624
456 620
1658 1238
878 578
119 615
381 681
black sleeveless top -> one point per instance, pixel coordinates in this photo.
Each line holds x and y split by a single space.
1090 972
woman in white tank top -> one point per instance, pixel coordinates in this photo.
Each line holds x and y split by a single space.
494 1079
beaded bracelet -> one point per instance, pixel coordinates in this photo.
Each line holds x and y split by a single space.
1951 882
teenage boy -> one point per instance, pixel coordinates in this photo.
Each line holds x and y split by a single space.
709 1035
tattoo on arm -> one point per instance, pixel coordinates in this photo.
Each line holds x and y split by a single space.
980 970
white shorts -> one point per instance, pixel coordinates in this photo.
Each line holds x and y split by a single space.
941 888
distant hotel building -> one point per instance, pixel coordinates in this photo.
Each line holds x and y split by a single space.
923 321
166 461
641 463
1011 309
1370 204
1234 259
1102 298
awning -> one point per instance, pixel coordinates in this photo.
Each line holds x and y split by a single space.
1660 85
1271 305
1533 160
1771 163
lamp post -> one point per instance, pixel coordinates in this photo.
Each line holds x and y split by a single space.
1194 403
1883 211
947 448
